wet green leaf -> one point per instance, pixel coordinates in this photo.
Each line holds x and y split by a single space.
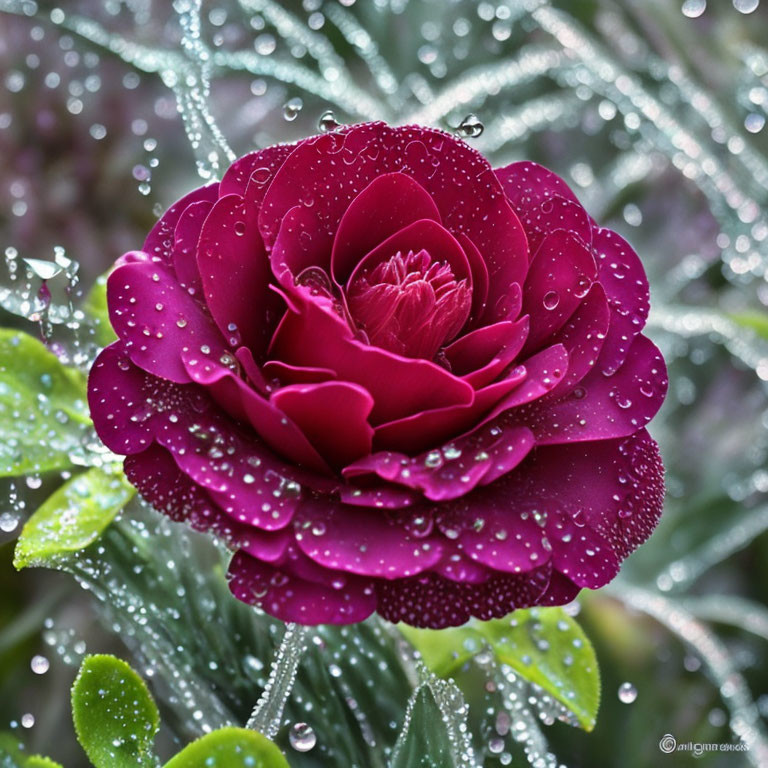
115 716
37 761
43 410
424 742
544 646
13 756
95 308
73 517
230 748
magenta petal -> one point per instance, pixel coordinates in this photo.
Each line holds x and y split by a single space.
480 279
583 337
117 398
400 386
264 163
159 242
293 374
453 471
332 415
389 203
481 355
457 178
603 406
501 531
433 427
561 274
612 487
544 371
185 246
579 552
556 213
424 234
367 542
626 286
561 590
157 319
380 496
235 273
243 403
290 598
435 602
242 478
528 185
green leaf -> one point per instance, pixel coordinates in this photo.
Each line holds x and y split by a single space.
73 517
95 307
37 761
115 716
544 646
230 748
12 755
424 741
755 321
43 410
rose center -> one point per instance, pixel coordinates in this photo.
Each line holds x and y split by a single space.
409 304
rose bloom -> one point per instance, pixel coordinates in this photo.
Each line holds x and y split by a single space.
391 378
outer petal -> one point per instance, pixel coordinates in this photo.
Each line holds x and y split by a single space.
117 398
601 406
361 541
235 275
474 459
160 481
528 185
626 286
553 214
256 170
157 319
291 598
561 274
185 246
612 491
159 242
436 602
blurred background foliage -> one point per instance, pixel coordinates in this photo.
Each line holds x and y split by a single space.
654 111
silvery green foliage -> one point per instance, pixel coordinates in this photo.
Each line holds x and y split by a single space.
613 96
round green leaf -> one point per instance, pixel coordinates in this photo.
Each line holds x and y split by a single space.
544 646
43 411
115 716
230 748
72 517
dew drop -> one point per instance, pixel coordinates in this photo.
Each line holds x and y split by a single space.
627 693
746 6
8 522
291 108
470 127
302 737
551 300
694 8
328 122
39 665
